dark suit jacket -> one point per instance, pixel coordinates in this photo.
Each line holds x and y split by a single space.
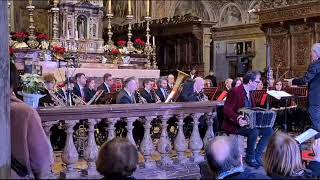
312 77
88 94
124 98
187 94
235 100
148 96
46 99
213 80
76 90
104 87
160 94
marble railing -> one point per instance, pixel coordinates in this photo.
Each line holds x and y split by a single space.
130 113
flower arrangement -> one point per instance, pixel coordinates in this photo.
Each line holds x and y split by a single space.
20 36
42 37
58 52
139 44
121 43
32 84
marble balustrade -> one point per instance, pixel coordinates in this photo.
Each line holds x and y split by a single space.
130 113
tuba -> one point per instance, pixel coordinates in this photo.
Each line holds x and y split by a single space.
181 77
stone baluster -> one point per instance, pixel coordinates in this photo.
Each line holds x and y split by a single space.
70 155
209 134
111 128
130 121
180 143
46 127
164 145
196 143
91 151
146 147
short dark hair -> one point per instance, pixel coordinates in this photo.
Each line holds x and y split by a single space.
126 82
250 75
14 76
231 161
78 75
146 81
106 76
160 80
117 158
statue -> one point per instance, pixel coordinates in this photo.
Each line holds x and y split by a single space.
81 26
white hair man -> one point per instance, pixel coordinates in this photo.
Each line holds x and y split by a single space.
312 78
170 81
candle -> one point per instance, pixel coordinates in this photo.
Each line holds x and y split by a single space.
109 7
76 36
148 8
153 41
129 7
67 34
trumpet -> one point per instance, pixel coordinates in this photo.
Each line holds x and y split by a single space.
78 100
58 99
156 96
141 99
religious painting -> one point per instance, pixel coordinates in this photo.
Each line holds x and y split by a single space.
231 16
195 8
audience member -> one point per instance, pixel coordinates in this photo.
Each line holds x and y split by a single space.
212 78
117 159
282 159
314 165
225 161
29 143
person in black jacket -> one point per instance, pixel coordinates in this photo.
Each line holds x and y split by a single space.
312 78
90 89
192 90
79 87
212 78
148 93
127 94
107 83
162 90
225 161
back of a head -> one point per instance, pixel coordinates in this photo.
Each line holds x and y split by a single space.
250 75
14 76
117 158
316 48
282 156
223 154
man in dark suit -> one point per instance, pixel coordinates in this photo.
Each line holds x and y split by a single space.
192 90
212 78
193 73
162 90
127 94
148 92
312 78
107 83
79 87
235 123
170 81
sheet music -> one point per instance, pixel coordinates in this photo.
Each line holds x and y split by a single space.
278 94
306 135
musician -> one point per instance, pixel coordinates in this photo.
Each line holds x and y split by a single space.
260 86
162 90
236 82
223 92
193 72
170 81
127 94
50 83
90 89
312 78
235 123
192 90
79 87
148 92
212 78
107 83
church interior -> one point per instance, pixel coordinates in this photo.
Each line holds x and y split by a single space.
159 89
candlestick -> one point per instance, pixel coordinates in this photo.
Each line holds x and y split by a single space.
76 36
68 35
129 7
109 7
153 41
148 7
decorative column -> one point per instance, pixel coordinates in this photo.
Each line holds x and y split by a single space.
55 19
111 128
130 43
110 16
180 143
70 155
164 144
196 143
146 147
130 121
91 151
46 127
209 134
32 42
148 49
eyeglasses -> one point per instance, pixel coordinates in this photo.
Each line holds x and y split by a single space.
257 82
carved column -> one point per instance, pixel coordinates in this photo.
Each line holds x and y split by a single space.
209 134
91 151
111 128
130 121
55 19
46 127
146 146
196 143
164 146
70 155
180 143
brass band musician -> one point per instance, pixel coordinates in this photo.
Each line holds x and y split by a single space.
148 92
127 94
162 90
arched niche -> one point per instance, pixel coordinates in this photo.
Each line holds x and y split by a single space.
82 26
196 8
231 15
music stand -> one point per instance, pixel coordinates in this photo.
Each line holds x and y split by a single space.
286 99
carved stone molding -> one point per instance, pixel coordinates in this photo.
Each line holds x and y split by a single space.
241 31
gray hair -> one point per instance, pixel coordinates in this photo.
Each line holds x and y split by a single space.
316 48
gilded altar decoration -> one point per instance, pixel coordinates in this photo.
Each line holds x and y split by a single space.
20 38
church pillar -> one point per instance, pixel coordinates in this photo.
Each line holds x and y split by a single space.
5 152
206 49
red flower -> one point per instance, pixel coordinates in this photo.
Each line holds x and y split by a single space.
42 37
20 36
11 51
138 42
59 50
115 52
121 43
